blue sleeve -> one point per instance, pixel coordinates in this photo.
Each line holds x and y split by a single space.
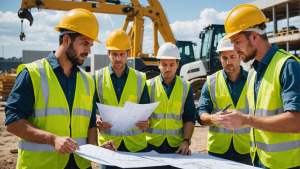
290 83
205 104
20 102
189 107
93 116
145 95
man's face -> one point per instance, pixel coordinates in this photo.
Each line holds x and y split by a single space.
168 67
79 49
230 61
244 47
118 58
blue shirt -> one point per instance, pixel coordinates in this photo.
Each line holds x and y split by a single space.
289 79
119 84
189 105
21 100
205 104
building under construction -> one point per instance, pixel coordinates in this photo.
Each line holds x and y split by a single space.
288 38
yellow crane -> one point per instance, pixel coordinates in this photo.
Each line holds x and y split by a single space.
135 13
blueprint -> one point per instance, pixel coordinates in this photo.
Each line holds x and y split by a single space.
151 159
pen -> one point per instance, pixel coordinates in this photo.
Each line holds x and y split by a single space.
226 108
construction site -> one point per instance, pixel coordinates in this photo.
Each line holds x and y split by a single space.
193 69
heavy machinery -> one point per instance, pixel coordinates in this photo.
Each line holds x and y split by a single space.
134 13
209 62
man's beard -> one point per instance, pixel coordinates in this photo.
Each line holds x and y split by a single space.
251 55
72 55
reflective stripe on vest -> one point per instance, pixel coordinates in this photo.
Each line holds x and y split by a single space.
119 134
29 146
225 130
276 147
164 132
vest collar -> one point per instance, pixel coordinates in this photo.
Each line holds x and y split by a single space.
267 58
111 71
163 82
53 62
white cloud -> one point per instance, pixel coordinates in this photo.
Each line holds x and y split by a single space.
41 35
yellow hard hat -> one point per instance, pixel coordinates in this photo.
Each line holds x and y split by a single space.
118 40
243 17
82 21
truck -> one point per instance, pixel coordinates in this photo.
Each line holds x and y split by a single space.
209 63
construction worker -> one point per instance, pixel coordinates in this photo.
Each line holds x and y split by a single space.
225 87
272 92
173 120
51 105
116 84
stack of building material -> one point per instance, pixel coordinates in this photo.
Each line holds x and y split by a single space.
283 31
6 85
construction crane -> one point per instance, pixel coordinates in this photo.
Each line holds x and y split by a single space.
134 13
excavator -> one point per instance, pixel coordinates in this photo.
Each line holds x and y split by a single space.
135 13
209 62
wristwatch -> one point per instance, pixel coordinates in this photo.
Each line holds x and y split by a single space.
188 140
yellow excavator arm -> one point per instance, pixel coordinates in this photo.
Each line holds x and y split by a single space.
134 13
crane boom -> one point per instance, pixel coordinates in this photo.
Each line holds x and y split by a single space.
134 13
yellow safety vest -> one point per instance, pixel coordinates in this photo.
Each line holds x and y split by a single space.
51 113
167 117
134 139
219 138
275 150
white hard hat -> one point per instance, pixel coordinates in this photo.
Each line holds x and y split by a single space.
168 51
224 45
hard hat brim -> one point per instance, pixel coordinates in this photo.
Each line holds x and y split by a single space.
115 48
234 33
167 57
58 27
225 49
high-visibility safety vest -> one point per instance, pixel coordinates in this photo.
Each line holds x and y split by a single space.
135 138
219 138
51 113
275 150
166 120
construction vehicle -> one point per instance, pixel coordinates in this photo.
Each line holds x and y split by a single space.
209 62
134 13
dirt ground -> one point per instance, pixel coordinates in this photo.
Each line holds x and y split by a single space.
9 141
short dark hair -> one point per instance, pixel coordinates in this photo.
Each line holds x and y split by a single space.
73 36
177 60
262 26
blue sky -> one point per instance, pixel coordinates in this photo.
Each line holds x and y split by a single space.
186 18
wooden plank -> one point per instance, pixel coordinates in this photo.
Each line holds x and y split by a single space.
11 85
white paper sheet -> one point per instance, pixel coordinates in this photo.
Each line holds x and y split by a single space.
109 114
131 114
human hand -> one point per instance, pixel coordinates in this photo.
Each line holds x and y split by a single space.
184 149
110 145
143 125
103 125
233 120
65 145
